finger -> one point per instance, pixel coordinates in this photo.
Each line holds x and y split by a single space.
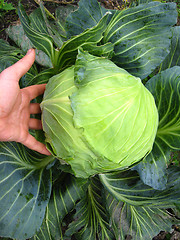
35 90
19 69
35 124
33 144
34 108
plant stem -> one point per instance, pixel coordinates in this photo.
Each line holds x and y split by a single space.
47 11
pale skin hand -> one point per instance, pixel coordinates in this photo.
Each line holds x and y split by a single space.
15 106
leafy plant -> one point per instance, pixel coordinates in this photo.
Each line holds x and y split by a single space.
40 197
5 7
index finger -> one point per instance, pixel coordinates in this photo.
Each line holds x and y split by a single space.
34 90
35 145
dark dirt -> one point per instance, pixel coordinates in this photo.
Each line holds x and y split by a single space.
11 17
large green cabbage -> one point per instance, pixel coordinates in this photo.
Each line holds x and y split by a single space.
97 117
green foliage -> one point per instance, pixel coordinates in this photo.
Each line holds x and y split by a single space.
5 7
25 190
153 168
175 158
178 5
40 199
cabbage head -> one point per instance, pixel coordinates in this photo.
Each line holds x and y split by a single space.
97 117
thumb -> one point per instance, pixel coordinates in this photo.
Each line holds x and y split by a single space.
17 70
23 65
9 78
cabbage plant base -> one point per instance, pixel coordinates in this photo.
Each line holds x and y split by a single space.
97 117
40 198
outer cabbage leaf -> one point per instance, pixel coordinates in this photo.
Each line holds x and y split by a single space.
17 34
25 187
138 2
42 77
126 186
39 36
61 14
137 35
68 52
153 168
6 49
173 58
7 61
137 222
67 190
53 26
86 16
9 55
165 88
91 220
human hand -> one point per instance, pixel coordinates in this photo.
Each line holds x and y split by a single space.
15 106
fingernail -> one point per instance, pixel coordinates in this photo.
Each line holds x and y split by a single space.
29 51
46 152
